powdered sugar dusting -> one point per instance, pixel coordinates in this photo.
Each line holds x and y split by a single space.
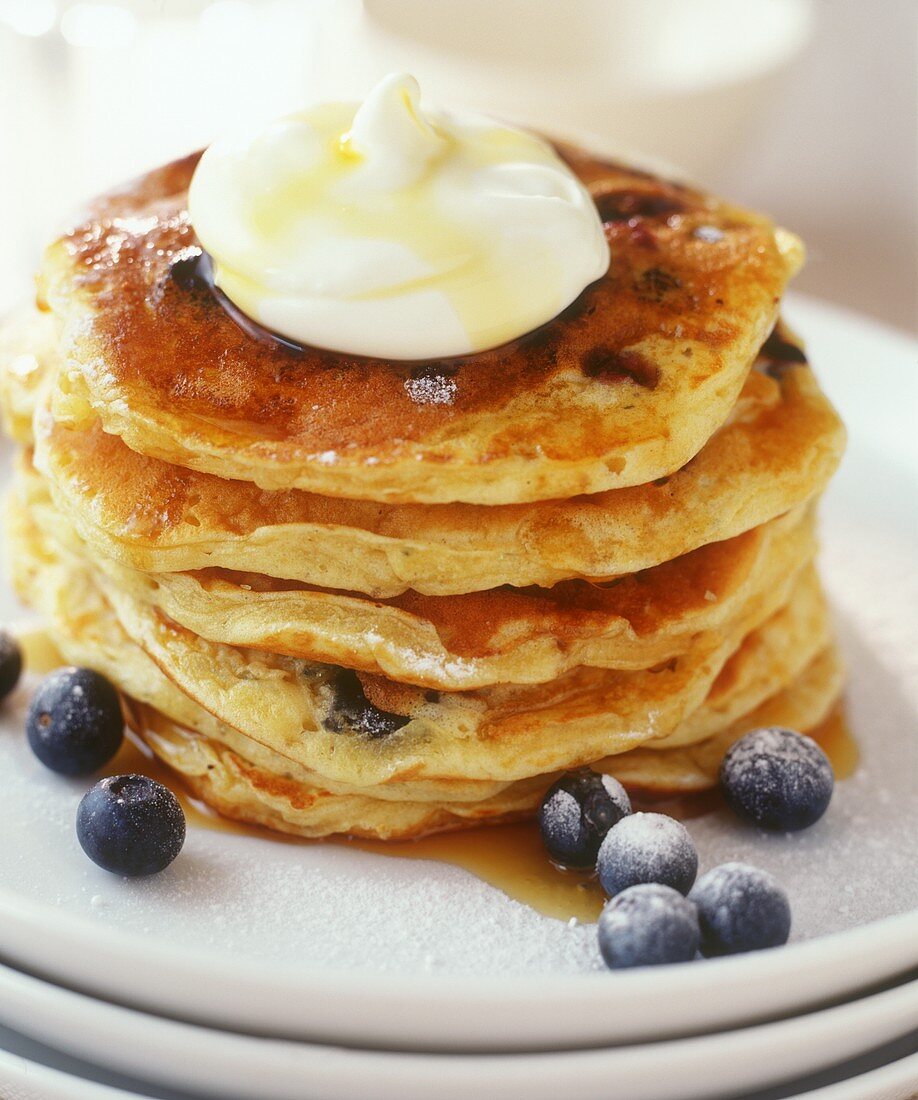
617 793
647 847
561 813
774 775
788 746
653 900
431 389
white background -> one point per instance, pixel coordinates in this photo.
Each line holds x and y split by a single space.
827 144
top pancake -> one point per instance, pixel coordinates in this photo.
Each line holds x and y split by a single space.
780 446
622 388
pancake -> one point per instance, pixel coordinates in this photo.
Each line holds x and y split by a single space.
513 636
749 676
463 642
272 794
241 790
365 731
624 387
778 450
243 779
694 767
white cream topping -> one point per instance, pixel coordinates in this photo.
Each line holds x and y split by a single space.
389 231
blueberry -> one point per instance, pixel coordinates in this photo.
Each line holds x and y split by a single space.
351 710
777 779
647 848
576 814
647 925
130 825
740 908
74 724
10 663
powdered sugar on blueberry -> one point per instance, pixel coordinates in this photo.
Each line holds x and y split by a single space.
777 779
647 848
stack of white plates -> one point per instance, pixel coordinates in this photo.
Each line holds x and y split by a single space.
475 1032
270 971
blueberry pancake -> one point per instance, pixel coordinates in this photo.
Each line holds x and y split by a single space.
778 449
623 388
362 730
370 774
226 779
451 643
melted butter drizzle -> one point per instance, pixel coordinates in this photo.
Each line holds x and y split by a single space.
195 272
436 382
426 382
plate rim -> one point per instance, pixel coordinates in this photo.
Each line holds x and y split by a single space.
888 1011
871 953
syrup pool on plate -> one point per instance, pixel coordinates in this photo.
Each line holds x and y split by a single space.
509 857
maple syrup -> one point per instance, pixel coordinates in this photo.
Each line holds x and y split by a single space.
512 858
509 857
834 735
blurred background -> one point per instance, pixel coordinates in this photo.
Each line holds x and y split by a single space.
805 108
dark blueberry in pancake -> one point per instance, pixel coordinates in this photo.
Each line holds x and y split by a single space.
648 925
10 663
628 366
777 779
740 908
647 848
576 814
351 711
130 825
628 205
75 724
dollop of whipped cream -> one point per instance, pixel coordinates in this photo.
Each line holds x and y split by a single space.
390 231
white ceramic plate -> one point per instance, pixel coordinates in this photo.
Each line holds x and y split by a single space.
898 1081
23 1079
30 1081
240 1067
32 1071
326 943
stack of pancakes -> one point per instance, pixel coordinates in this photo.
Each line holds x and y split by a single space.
348 595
